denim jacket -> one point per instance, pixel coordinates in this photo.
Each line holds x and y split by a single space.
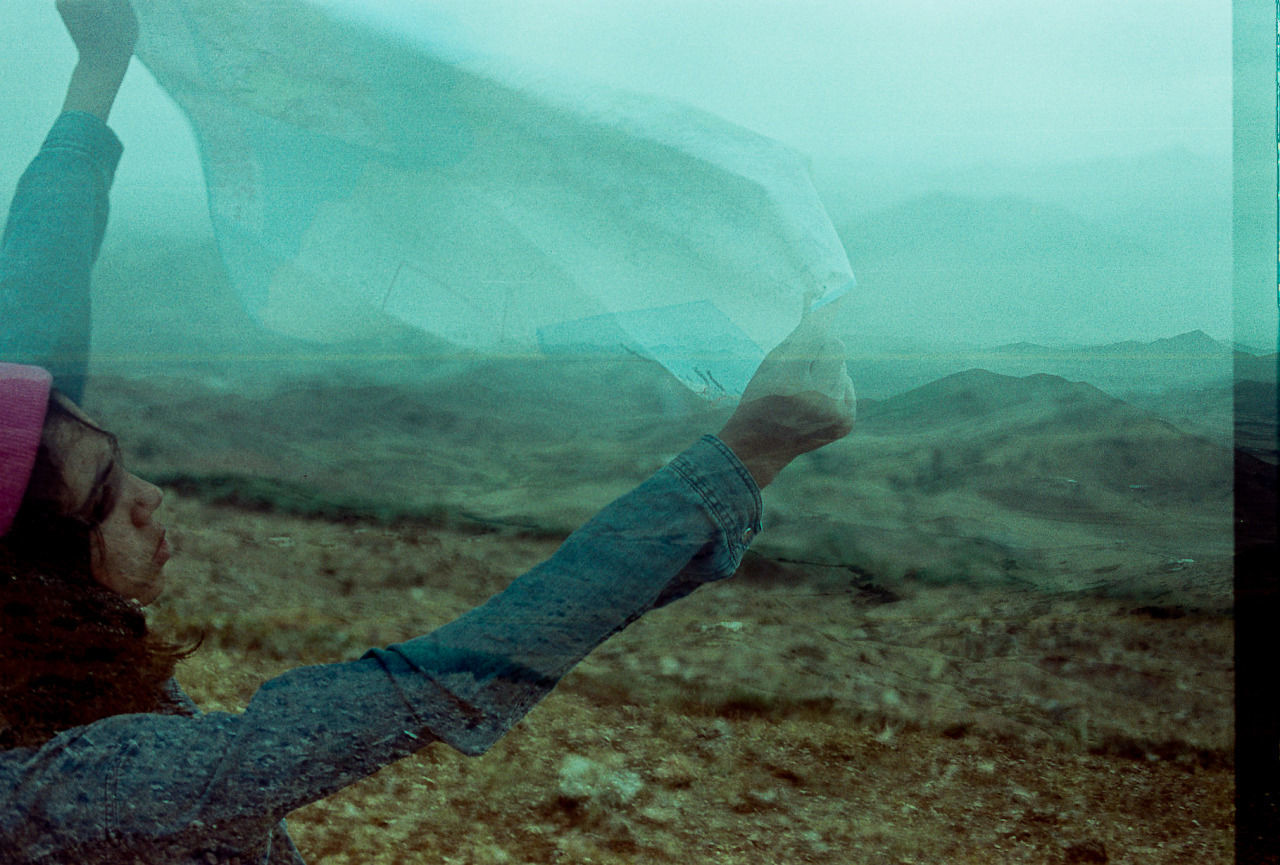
215 787
51 239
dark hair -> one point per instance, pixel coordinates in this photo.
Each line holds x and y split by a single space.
72 651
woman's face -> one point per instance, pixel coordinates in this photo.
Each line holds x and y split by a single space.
131 557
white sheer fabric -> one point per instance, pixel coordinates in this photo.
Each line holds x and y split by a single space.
365 168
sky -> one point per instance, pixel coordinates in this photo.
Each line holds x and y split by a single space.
878 94
927 81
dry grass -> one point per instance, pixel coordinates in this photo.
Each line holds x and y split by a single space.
792 715
971 640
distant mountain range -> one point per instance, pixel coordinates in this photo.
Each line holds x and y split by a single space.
1191 360
1194 343
1090 251
1190 191
977 475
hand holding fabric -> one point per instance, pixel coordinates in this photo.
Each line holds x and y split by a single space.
799 399
105 33
101 29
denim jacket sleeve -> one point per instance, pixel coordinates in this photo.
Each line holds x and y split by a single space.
51 240
163 787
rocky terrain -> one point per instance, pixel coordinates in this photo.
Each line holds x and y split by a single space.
992 625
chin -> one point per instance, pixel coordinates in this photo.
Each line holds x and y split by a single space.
145 591
151 594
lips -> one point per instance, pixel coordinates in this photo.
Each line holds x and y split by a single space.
162 550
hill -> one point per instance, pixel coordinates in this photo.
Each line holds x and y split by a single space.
1009 434
1037 479
982 396
978 477
1188 361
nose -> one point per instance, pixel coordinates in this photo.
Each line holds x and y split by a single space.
146 499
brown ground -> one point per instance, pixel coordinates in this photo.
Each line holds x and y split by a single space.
791 715
993 625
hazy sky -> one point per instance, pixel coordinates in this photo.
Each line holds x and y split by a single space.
928 80
908 86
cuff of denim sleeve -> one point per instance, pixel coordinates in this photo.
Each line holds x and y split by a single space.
729 491
85 132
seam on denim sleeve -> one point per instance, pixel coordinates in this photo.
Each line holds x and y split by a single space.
86 135
723 515
689 474
111 797
102 175
747 479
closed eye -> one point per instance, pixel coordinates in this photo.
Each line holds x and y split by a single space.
105 491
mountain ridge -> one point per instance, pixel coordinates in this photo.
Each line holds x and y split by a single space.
1004 432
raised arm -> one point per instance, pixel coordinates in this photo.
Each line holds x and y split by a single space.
59 210
227 778
800 399
688 524
104 32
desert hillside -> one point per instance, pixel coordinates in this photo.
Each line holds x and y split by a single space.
992 625
1035 480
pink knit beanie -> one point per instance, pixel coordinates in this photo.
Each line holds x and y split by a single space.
24 396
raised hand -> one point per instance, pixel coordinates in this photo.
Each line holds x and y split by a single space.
104 32
800 399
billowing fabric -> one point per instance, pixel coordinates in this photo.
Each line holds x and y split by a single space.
362 168
214 788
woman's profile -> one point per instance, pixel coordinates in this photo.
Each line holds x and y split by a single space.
103 758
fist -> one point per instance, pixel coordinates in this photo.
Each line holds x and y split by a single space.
799 399
102 30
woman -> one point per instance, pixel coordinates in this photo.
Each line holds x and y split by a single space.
103 758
